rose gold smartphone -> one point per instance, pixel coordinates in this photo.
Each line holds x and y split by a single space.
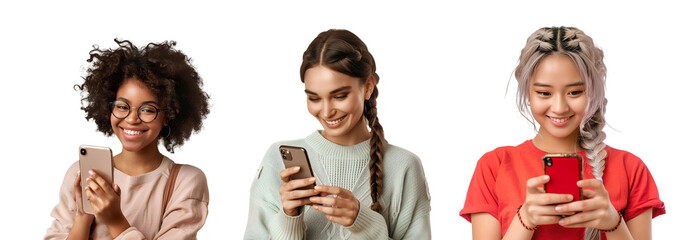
296 156
99 159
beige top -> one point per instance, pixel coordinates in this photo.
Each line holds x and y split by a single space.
141 203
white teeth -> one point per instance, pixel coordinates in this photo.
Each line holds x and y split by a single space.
132 132
559 120
335 122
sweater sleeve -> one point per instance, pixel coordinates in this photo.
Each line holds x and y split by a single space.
266 219
64 212
410 204
413 221
186 211
368 225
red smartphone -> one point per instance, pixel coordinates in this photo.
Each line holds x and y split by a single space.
564 169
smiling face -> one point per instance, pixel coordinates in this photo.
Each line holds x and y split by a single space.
557 98
337 101
134 134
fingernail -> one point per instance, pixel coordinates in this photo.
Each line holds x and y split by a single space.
297 168
313 199
311 179
561 222
558 208
546 177
570 197
90 172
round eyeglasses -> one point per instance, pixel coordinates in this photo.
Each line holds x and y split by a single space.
146 112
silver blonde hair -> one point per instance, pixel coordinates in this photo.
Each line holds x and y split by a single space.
571 42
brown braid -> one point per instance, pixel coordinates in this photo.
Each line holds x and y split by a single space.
344 52
376 149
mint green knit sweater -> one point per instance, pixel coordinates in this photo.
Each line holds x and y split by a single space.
405 199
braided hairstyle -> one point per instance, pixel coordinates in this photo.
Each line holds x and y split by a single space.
344 52
166 71
579 47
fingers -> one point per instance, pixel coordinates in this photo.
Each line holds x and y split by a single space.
332 190
337 215
584 219
76 181
548 199
295 184
342 209
591 183
333 202
583 205
287 172
295 203
101 184
298 194
533 184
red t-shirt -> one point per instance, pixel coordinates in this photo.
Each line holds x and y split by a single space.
499 182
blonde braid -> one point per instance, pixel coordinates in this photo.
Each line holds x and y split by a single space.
579 47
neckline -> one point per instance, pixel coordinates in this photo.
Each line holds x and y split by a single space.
121 177
533 147
326 147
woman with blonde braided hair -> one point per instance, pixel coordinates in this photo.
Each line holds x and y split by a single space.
365 187
561 86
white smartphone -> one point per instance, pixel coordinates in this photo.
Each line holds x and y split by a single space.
99 159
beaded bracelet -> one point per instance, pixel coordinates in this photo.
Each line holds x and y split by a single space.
529 228
615 227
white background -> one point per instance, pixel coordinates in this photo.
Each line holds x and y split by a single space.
444 71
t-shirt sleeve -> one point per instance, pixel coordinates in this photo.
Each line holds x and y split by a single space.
481 195
643 194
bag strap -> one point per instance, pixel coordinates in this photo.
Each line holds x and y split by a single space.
169 187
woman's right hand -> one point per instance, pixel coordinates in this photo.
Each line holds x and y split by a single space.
292 199
539 207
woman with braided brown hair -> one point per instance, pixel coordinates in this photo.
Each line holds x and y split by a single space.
561 85
366 188
143 97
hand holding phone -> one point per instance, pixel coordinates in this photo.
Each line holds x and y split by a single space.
297 177
95 158
565 170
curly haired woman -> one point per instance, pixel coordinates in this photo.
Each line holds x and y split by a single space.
143 97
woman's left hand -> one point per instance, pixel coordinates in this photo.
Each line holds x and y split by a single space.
595 212
342 209
105 200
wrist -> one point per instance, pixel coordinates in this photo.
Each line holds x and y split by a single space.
84 218
525 221
118 227
618 222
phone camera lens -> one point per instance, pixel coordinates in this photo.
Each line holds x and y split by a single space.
282 151
549 162
83 151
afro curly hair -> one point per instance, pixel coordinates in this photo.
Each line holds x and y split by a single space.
167 72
